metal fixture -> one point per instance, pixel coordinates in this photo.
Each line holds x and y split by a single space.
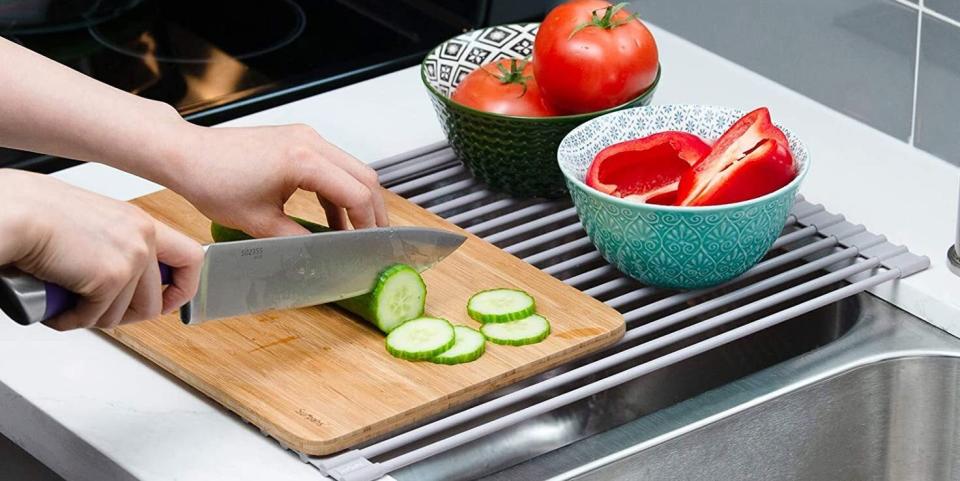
819 259
953 252
882 403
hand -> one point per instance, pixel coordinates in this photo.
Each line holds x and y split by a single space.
104 250
241 178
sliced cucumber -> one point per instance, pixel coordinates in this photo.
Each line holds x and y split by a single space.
529 330
500 305
398 296
468 346
421 339
222 233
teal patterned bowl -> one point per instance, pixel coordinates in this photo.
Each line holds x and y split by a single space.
514 155
667 246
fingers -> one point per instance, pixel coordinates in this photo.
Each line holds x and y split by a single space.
343 190
336 217
97 304
119 309
146 300
276 224
342 180
365 175
85 314
185 256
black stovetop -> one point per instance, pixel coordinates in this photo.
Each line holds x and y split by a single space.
219 59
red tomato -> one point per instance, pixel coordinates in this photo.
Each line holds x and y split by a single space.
590 55
503 87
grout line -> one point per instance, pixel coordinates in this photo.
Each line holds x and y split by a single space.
921 10
908 4
929 11
939 16
912 139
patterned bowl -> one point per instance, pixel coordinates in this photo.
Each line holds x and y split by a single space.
667 246
510 154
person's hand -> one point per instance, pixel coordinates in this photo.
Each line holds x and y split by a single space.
104 250
241 178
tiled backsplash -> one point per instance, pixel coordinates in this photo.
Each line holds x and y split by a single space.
938 82
857 56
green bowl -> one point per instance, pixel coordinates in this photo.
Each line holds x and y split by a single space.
667 246
515 155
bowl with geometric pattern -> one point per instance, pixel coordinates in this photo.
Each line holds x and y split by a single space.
672 246
511 154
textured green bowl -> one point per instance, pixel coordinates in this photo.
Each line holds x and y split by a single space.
515 155
666 246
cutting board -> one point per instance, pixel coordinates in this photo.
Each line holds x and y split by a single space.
320 381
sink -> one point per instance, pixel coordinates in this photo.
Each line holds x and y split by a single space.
881 402
628 402
857 390
895 419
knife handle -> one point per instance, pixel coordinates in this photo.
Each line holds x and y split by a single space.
28 300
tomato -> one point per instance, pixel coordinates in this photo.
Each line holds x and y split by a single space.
506 87
590 55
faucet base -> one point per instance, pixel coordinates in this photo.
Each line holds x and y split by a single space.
954 260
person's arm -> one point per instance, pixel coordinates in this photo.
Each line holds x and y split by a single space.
240 177
104 250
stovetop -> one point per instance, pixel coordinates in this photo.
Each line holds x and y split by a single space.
218 59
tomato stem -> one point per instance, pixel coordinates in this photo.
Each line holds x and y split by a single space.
606 21
512 75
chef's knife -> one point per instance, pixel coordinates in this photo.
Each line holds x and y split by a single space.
257 275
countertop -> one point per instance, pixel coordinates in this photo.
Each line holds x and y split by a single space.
93 411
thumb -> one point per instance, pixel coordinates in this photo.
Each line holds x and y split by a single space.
278 225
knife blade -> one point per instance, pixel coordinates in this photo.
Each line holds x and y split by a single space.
250 276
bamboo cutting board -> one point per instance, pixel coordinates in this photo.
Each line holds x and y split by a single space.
320 381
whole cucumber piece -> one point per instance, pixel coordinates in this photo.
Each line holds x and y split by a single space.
222 233
398 295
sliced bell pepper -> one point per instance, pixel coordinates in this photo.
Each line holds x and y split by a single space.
646 169
751 159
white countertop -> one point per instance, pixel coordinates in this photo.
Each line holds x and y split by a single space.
93 411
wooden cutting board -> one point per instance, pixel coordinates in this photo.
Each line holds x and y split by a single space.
320 381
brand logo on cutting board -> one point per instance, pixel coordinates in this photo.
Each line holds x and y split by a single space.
309 417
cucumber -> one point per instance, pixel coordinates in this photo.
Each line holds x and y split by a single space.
222 233
421 339
500 305
468 346
529 330
398 296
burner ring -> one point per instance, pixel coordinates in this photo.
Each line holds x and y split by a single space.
295 32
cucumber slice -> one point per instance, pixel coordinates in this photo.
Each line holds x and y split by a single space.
468 346
421 339
222 233
398 296
529 330
500 305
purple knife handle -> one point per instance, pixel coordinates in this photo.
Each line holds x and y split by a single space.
60 300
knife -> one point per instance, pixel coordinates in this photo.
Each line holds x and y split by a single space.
249 276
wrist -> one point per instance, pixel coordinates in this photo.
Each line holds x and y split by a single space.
164 155
17 229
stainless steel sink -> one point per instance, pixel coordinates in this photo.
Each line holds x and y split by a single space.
893 419
858 390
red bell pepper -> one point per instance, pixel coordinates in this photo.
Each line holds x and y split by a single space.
647 169
750 159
